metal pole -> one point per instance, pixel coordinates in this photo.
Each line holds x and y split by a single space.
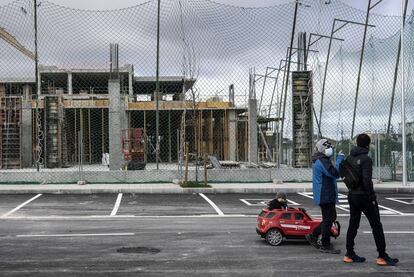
273 93
279 115
404 138
360 67
288 71
169 136
379 157
394 84
263 88
325 73
37 84
157 90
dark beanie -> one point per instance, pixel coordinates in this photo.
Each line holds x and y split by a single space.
363 140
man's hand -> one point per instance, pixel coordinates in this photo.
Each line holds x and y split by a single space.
373 199
341 153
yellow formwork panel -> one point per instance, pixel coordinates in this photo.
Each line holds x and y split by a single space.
177 105
86 103
144 105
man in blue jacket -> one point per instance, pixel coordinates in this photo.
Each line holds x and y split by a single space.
325 193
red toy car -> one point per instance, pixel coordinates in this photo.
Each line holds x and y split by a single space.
293 223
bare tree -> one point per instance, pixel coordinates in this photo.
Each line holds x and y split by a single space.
190 73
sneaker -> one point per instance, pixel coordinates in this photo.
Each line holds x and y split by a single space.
353 259
312 240
387 261
329 249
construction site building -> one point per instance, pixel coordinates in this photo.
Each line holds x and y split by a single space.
80 114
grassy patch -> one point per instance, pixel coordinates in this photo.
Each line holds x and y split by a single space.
192 184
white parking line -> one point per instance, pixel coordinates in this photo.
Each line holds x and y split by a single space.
263 202
21 205
212 204
392 232
123 217
390 210
340 197
117 203
77 235
401 200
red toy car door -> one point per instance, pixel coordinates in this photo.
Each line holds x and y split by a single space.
287 223
302 227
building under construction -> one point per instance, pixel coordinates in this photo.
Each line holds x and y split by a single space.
83 114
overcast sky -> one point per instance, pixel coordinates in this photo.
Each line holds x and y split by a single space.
390 7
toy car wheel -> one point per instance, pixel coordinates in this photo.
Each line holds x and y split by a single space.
274 237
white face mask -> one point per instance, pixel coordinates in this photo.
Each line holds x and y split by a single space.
329 152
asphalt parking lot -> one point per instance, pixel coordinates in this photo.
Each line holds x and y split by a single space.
181 234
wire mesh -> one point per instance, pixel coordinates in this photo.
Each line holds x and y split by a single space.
85 120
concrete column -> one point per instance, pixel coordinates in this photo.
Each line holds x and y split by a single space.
39 83
70 87
27 93
131 81
231 95
232 123
252 109
116 118
26 134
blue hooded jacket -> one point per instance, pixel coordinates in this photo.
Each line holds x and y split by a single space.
325 188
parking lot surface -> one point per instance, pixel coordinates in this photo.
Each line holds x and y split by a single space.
181 235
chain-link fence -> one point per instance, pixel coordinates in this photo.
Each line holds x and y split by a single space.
233 97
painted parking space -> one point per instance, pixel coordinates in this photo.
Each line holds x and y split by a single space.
251 204
164 205
402 202
10 204
263 202
197 204
68 205
231 203
343 205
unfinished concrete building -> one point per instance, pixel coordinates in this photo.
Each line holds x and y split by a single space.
82 113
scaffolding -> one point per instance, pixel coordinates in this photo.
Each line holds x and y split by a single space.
10 132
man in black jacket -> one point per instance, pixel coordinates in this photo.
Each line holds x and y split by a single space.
363 200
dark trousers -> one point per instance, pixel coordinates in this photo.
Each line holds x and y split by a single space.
359 203
328 218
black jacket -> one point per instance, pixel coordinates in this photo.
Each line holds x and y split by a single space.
275 204
360 159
